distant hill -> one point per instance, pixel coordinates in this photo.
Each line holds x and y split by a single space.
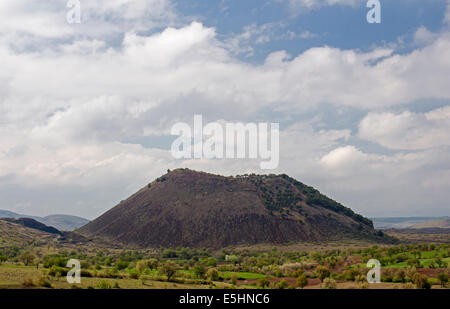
401 222
64 222
60 222
442 224
26 231
13 234
10 214
197 209
33 224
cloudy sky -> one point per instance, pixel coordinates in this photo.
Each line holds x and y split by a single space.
86 109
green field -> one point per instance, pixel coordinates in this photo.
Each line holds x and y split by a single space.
243 267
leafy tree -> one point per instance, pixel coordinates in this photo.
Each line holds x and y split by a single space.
350 274
302 281
322 272
410 272
212 274
27 258
443 279
169 269
421 281
211 262
413 262
133 273
399 276
153 264
439 262
199 271
122 265
141 266
234 279
263 282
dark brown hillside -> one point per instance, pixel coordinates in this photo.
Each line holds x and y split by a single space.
197 209
33 224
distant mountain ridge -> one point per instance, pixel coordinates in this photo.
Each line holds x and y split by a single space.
197 209
33 224
60 222
441 223
402 222
14 234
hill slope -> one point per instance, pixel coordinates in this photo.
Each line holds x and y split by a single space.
10 214
33 224
197 209
60 222
64 222
13 234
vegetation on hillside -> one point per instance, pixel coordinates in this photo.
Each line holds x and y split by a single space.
404 266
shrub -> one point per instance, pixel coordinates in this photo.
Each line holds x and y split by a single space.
234 279
133 273
279 273
322 272
443 279
350 274
84 264
410 272
109 273
421 281
85 273
211 262
43 282
282 284
27 258
57 271
413 262
212 274
292 269
199 271
57 261
169 269
387 275
399 276
360 279
27 283
122 265
103 285
302 281
153 263
363 285
141 266
329 284
263 282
